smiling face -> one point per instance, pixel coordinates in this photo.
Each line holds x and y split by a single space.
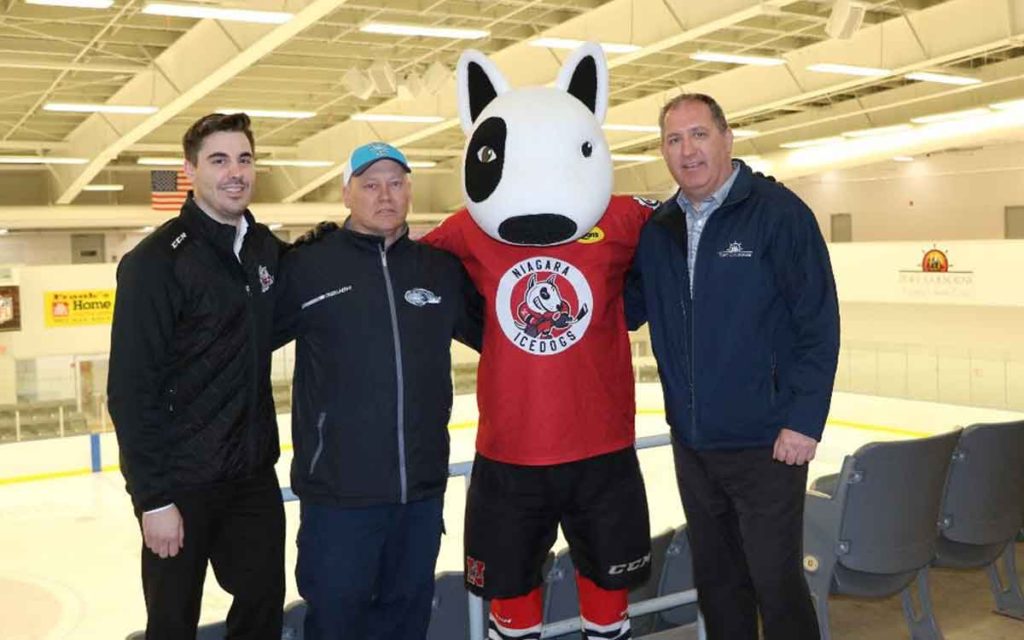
697 152
223 175
378 199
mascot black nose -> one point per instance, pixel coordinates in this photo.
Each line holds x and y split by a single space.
539 229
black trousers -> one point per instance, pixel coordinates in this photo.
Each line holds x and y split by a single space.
239 528
744 512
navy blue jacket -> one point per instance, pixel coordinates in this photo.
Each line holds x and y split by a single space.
755 348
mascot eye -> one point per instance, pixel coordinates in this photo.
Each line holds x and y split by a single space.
587 149
486 154
544 293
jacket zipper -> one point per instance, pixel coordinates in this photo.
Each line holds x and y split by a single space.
253 340
774 383
399 381
320 441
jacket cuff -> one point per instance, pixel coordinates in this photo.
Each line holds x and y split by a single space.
808 417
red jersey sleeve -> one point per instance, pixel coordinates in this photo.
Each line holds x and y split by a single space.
449 235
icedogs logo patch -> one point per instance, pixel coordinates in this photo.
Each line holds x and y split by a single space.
544 305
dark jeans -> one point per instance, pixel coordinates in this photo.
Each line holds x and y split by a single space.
368 572
239 528
744 512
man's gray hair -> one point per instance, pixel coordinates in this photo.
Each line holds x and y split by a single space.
716 109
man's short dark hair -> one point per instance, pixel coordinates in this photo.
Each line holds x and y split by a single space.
716 109
210 124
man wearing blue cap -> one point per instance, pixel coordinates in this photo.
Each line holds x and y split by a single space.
373 314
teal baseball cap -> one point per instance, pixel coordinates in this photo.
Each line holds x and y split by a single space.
364 156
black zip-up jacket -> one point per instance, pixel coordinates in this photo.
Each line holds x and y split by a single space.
189 382
372 392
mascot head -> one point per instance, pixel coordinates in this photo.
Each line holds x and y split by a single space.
537 168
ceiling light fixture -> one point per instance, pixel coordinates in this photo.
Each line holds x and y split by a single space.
160 162
951 115
569 43
269 113
4 232
216 13
100 108
281 162
759 61
902 159
422 164
849 70
394 29
103 187
41 160
941 78
877 131
274 226
1012 105
77 4
813 142
388 117
745 133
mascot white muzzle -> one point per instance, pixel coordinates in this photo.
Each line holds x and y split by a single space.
536 176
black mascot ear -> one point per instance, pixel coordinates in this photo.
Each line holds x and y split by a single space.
585 76
481 91
479 83
584 83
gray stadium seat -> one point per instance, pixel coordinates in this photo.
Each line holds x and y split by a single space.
877 532
644 625
212 631
294 621
982 509
561 600
677 576
449 611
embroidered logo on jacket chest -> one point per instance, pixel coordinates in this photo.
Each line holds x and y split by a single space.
266 280
544 305
735 250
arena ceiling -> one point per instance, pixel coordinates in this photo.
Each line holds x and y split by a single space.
181 68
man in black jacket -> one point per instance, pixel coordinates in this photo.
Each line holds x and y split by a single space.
189 392
374 315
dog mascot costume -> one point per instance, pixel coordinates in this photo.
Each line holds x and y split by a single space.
548 247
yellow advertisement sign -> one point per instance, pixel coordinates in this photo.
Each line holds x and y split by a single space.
78 308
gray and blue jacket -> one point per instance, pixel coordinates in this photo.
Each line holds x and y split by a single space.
372 392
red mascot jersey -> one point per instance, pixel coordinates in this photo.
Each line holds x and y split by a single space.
555 382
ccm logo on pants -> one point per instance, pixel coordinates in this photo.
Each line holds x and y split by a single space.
628 567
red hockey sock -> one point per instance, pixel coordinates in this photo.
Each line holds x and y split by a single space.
604 613
513 618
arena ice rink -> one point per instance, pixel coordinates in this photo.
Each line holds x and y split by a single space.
69 559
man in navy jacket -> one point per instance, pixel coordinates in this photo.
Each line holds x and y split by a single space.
734 277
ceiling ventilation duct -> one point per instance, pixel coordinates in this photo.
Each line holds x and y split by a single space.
846 17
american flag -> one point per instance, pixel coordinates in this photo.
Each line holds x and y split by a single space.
170 188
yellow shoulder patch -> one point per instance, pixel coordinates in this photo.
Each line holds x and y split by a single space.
594 235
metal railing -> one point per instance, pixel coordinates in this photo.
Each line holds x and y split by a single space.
570 625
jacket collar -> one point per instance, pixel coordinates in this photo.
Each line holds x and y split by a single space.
218 234
373 242
670 215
